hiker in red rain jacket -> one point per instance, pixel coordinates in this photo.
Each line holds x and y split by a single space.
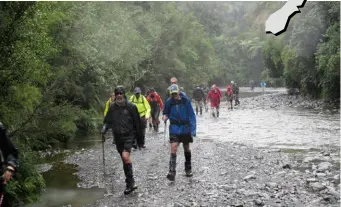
156 106
229 95
214 96
215 86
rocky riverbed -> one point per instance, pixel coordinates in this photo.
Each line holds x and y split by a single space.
225 173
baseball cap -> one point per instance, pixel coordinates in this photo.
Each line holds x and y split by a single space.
137 90
174 89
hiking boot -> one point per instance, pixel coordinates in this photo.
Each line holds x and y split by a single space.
130 182
130 188
188 169
188 172
156 128
171 175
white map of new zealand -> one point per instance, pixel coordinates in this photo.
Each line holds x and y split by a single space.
278 22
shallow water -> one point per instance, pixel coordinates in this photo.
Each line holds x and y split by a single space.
280 128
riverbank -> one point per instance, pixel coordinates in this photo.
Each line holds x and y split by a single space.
225 173
283 100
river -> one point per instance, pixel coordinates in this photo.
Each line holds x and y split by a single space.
312 130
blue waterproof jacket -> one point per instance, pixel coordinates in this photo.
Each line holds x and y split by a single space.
181 115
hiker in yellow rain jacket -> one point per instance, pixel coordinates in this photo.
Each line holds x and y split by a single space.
107 106
108 103
143 108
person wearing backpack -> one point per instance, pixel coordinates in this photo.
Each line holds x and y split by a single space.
108 103
143 108
199 97
235 89
229 96
9 156
124 120
156 106
178 109
214 96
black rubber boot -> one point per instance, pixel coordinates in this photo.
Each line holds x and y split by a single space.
172 166
217 113
200 110
188 165
130 182
156 128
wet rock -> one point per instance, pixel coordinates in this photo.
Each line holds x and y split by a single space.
249 177
308 159
226 187
324 166
238 204
241 191
259 202
333 192
325 153
153 177
317 186
321 175
258 157
336 177
271 184
312 180
286 166
44 167
281 173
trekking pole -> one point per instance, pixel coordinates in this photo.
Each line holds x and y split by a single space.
103 157
164 133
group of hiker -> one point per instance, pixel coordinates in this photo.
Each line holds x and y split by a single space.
128 118
202 95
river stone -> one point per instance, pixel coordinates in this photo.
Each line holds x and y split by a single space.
286 166
308 159
317 186
333 192
271 184
321 174
324 166
325 153
336 177
249 177
259 202
311 180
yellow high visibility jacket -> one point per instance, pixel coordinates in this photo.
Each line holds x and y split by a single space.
142 105
107 105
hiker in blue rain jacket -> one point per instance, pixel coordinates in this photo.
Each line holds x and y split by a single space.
178 109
